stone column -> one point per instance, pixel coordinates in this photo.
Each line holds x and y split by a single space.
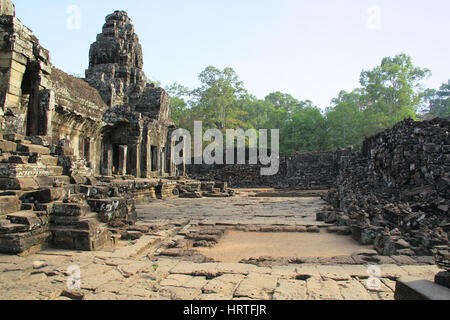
133 166
107 154
158 160
123 152
146 165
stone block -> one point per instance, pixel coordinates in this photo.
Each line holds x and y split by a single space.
410 289
44 196
443 279
70 209
33 219
19 242
9 204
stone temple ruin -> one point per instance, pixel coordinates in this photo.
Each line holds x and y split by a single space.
77 150
78 156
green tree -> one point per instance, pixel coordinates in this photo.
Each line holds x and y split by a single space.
440 101
391 92
215 102
178 105
345 120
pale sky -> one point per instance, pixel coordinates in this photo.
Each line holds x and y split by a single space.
310 49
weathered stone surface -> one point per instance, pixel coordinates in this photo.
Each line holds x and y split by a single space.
257 286
290 290
323 290
392 190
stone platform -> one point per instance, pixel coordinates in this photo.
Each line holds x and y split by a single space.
153 268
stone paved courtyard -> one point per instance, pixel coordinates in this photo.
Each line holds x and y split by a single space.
153 267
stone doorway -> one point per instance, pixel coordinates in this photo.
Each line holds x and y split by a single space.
30 95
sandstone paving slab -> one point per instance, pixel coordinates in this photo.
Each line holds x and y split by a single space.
356 271
237 268
333 272
257 286
391 284
353 290
288 272
114 286
421 272
136 292
308 270
93 282
214 297
225 284
378 288
184 281
290 290
131 269
101 296
177 293
323 289
208 270
391 271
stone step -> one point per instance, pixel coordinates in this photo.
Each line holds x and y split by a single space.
25 184
6 227
33 219
16 243
70 209
51 181
33 148
49 160
8 146
84 240
9 204
13 137
76 222
12 170
44 196
92 191
109 209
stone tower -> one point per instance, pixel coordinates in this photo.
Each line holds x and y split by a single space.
116 61
7 8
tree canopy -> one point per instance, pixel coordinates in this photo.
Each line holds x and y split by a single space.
389 93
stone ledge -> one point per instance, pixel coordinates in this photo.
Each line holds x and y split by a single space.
413 289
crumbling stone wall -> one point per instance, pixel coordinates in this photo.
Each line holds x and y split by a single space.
395 192
73 151
300 171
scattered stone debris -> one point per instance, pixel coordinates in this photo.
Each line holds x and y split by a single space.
395 192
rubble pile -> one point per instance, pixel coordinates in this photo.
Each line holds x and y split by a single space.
395 192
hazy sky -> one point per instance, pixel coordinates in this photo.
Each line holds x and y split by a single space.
310 49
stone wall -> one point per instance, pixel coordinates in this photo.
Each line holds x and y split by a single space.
77 154
301 171
395 192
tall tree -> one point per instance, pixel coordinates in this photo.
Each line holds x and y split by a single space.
440 101
215 102
392 92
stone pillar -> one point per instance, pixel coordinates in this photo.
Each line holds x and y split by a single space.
123 152
133 166
158 160
46 106
146 164
107 159
162 162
